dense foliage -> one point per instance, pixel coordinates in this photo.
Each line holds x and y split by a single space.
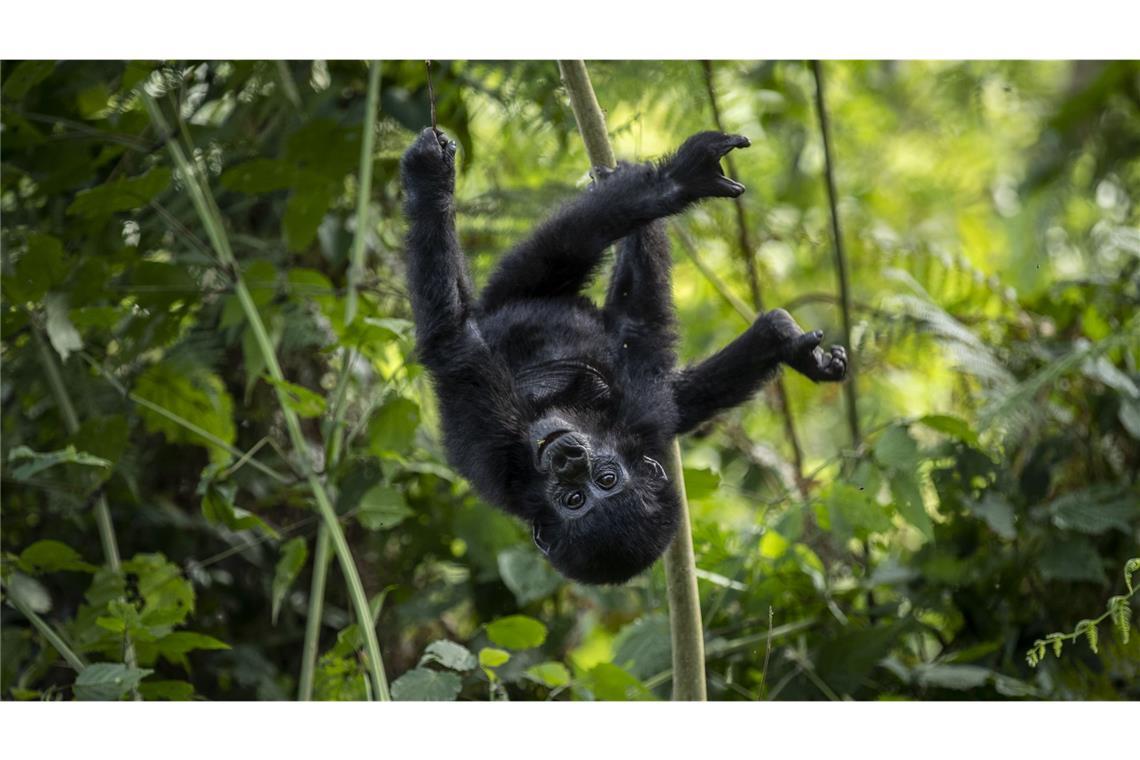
967 535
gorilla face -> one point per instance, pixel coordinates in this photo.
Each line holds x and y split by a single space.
609 509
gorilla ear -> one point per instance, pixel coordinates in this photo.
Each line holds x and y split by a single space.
536 534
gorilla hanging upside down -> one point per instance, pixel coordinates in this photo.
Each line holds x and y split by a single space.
561 412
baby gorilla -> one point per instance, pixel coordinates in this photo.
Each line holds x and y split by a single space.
561 412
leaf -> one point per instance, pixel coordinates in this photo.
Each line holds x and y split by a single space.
168 598
393 426
997 512
48 556
304 211
855 513
527 574
644 647
25 75
120 195
293 556
426 685
301 400
489 657
176 644
896 450
29 591
259 175
382 507
608 682
65 339
1095 510
1129 415
1075 559
700 482
173 691
957 677
41 461
955 427
194 394
908 500
105 681
40 268
552 675
219 509
449 655
517 632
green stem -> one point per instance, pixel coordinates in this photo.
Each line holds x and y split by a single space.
102 512
313 618
46 630
211 219
680 565
364 188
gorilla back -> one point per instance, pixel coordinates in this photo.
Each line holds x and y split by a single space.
560 411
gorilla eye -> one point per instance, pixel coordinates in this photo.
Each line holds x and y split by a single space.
575 500
607 480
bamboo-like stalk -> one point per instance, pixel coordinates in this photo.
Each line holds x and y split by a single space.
840 256
102 511
680 567
53 637
210 217
335 436
748 253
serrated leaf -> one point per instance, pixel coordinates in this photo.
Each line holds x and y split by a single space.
120 195
48 556
527 574
490 657
194 394
644 647
426 685
449 655
1073 559
517 632
552 675
176 644
1095 510
392 428
105 681
293 556
997 513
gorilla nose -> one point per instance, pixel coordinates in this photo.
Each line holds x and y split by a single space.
569 462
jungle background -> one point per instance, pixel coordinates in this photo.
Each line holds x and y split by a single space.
202 269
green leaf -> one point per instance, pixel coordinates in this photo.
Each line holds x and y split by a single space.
39 269
105 681
393 427
168 598
65 339
426 685
41 461
194 394
607 682
304 211
907 493
120 195
1074 559
219 509
517 632
48 556
301 400
955 427
29 591
25 75
173 691
176 644
382 507
489 657
293 556
1129 415
700 483
259 175
997 512
957 677
855 513
896 450
552 675
1095 510
449 655
644 647
527 574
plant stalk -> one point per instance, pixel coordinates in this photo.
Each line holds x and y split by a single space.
102 512
680 565
211 219
53 637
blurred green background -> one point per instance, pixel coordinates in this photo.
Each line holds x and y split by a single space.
968 538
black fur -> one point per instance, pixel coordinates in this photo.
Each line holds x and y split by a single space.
559 411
